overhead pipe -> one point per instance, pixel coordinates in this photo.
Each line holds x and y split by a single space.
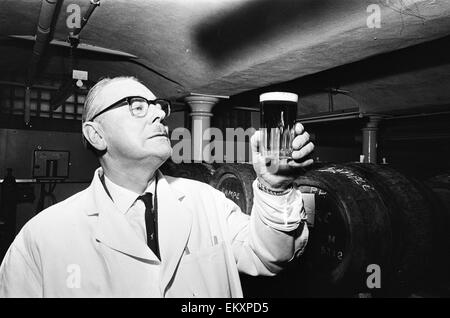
44 28
94 4
68 88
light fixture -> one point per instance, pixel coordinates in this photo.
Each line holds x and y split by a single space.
80 76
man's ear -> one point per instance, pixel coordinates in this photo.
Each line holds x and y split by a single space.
94 135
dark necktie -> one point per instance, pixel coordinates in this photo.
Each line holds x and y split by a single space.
151 223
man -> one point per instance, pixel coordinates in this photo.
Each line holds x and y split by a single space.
184 239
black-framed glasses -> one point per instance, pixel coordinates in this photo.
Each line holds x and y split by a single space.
138 106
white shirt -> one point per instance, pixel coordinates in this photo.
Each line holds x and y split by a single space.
127 203
134 210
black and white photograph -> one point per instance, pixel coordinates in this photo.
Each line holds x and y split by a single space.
207 150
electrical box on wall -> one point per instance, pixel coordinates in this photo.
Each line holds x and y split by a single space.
51 164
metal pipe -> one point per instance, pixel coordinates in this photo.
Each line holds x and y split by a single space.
94 4
420 115
44 28
327 119
324 117
53 88
250 109
63 94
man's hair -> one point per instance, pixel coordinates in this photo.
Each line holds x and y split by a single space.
93 106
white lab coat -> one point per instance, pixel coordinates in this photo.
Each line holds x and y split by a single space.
84 247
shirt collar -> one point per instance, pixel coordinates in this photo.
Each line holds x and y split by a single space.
124 198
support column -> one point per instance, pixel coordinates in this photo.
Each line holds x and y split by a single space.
370 139
201 114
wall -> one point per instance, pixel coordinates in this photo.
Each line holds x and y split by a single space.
19 145
16 152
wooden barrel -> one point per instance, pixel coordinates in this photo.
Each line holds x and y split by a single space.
196 171
235 181
414 224
349 230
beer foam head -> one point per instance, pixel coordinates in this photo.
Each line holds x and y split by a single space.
281 96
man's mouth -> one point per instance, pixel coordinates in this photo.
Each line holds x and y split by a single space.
162 132
159 134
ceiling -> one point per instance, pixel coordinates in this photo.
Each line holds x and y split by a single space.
228 47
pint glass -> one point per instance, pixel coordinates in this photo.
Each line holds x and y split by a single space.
278 115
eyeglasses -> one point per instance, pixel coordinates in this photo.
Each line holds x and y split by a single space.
138 106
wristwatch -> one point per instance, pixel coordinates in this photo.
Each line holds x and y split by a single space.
272 192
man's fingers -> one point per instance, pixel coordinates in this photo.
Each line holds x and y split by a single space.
255 142
303 152
303 164
300 140
299 128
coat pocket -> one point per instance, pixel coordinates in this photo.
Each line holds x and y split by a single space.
207 272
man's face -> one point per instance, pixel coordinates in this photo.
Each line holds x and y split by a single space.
128 137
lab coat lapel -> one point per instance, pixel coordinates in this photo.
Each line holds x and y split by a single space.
112 228
174 222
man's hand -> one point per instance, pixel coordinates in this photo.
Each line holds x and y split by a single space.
280 174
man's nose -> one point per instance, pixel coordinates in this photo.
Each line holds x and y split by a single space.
155 113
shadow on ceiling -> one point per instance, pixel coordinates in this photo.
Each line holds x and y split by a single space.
221 38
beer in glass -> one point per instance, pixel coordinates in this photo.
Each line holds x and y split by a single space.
278 115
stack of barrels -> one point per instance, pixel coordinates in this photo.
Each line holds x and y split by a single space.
373 231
